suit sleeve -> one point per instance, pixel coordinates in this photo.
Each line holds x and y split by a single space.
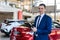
48 29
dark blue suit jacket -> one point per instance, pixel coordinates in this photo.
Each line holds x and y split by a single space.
44 28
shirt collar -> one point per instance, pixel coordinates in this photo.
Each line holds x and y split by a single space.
42 14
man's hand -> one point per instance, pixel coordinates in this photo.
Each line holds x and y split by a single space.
34 29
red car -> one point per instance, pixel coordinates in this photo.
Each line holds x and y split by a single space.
21 33
55 34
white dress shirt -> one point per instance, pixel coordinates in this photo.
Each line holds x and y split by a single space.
38 22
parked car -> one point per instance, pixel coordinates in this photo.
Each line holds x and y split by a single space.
55 33
8 24
22 32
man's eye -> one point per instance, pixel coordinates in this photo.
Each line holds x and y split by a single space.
40 8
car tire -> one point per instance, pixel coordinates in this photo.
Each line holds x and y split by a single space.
8 34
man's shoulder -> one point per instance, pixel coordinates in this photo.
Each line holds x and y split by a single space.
48 16
37 16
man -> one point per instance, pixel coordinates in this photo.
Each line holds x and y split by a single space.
42 24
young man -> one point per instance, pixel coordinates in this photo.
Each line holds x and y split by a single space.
42 24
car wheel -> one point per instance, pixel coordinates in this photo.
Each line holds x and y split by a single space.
8 34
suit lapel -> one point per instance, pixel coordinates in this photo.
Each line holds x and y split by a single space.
42 19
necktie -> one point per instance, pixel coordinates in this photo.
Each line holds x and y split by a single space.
37 24
38 21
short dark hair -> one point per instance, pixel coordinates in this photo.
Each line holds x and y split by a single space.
43 5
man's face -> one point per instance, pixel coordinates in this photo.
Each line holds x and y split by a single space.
42 9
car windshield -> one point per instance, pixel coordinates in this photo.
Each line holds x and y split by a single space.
55 25
7 21
21 22
10 21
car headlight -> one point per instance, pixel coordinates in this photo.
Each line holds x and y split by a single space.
5 30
